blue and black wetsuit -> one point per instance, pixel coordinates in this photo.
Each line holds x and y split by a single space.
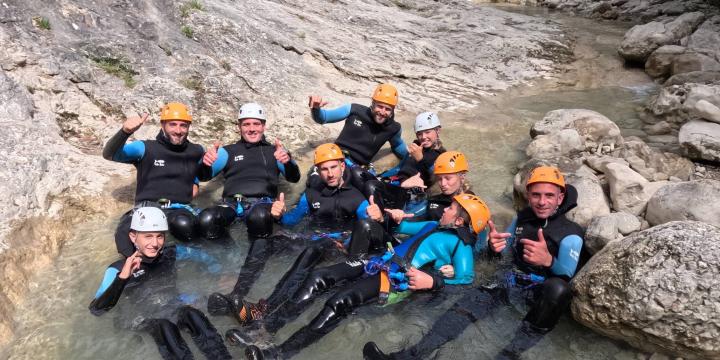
332 209
165 173
548 287
150 298
361 137
429 246
251 175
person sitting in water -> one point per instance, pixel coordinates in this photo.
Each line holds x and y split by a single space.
433 245
142 277
416 172
450 171
251 169
167 171
332 207
546 249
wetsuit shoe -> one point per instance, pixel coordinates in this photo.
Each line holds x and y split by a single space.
219 304
372 352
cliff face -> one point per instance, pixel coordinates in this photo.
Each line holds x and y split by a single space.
70 71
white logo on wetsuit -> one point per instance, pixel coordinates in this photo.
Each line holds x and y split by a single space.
433 206
357 123
518 230
316 205
159 162
138 273
574 254
239 157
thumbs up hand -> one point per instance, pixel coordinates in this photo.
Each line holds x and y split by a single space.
281 154
373 210
536 252
131 124
211 154
278 207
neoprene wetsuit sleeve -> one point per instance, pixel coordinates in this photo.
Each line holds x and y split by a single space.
325 116
361 211
463 263
109 292
198 256
398 146
294 216
117 150
438 282
510 229
291 171
568 256
411 227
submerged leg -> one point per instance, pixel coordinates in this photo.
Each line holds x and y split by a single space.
168 339
476 304
203 333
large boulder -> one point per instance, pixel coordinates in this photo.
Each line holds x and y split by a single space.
700 140
659 63
690 200
629 191
591 197
640 41
692 61
706 39
594 128
599 232
656 289
654 164
566 142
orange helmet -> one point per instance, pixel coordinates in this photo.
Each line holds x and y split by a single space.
386 93
175 111
450 162
546 174
476 208
327 152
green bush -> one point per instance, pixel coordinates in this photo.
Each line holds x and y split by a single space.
41 22
188 7
187 31
118 67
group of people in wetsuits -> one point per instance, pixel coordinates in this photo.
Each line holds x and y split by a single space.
378 238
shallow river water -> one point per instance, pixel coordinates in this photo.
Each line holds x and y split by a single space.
54 323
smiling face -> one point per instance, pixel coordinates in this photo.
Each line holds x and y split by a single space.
544 199
148 243
428 138
331 172
175 130
381 111
450 184
251 130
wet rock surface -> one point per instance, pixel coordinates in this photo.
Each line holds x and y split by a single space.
656 290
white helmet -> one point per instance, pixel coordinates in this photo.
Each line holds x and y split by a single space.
149 219
251 111
426 120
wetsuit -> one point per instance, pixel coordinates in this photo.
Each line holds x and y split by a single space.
429 246
165 173
548 288
150 298
361 137
251 175
332 209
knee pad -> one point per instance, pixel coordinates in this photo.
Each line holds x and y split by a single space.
212 223
168 339
259 222
556 291
367 236
182 225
